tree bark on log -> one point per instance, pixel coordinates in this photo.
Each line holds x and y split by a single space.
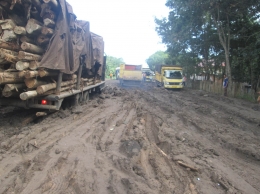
33 27
9 45
10 80
45 73
32 48
7 24
8 55
33 93
12 89
49 23
29 56
43 40
21 65
44 88
27 39
33 65
47 31
19 30
33 83
8 36
31 74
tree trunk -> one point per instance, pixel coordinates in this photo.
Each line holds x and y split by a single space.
10 80
43 40
33 83
44 88
12 89
33 65
9 45
33 27
47 31
29 56
8 36
31 74
32 48
27 39
19 30
45 73
33 93
21 65
49 23
7 24
8 55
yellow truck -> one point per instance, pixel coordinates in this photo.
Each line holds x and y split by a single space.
130 74
168 76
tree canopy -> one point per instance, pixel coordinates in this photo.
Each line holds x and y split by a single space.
215 30
112 63
159 57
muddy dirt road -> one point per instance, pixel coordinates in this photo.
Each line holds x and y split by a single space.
134 140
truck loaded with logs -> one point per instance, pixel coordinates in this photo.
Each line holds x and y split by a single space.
47 55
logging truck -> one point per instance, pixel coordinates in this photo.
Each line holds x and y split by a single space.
46 55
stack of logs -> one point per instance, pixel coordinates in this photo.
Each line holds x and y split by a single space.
26 28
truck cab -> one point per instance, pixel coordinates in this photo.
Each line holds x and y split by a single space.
169 76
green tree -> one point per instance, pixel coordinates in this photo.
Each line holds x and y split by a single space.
112 63
159 57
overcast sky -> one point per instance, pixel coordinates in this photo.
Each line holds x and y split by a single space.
127 26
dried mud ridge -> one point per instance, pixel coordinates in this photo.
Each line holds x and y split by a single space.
134 140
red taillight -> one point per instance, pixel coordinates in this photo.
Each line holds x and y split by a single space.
44 102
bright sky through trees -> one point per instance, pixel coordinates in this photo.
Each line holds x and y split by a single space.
127 27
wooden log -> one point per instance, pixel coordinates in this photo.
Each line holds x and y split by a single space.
9 74
33 93
45 73
10 93
33 65
32 48
47 31
22 65
10 80
33 83
19 30
7 24
49 23
29 56
33 27
44 88
13 89
9 45
67 77
27 39
43 40
8 36
22 74
8 55
31 74
53 3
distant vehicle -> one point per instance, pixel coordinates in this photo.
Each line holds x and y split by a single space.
149 74
168 76
117 72
130 74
